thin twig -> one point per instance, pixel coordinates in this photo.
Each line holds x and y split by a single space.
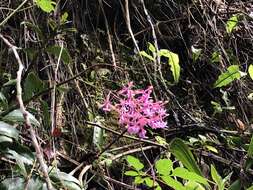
28 124
13 12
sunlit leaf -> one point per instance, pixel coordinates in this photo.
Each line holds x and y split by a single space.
185 174
192 185
229 76
144 54
164 166
64 17
138 180
131 173
173 62
231 23
46 5
216 177
250 70
134 162
173 183
151 47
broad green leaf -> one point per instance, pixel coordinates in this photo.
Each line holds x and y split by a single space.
134 162
144 54
138 180
229 76
151 47
173 62
64 179
131 173
15 183
46 5
164 166
149 182
250 149
182 152
5 139
192 185
20 164
17 117
21 153
231 23
216 177
250 70
8 130
250 188
55 50
173 183
185 174
32 85
36 183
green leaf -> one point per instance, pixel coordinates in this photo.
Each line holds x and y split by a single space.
211 148
195 53
181 151
232 23
65 180
132 173
250 70
173 183
32 85
15 183
192 185
20 152
250 188
173 62
17 117
164 166
185 174
151 47
216 177
46 5
229 76
134 162
5 139
3 101
138 180
64 18
250 149
55 50
144 54
149 182
216 57
8 130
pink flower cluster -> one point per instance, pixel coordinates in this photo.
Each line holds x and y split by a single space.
137 110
